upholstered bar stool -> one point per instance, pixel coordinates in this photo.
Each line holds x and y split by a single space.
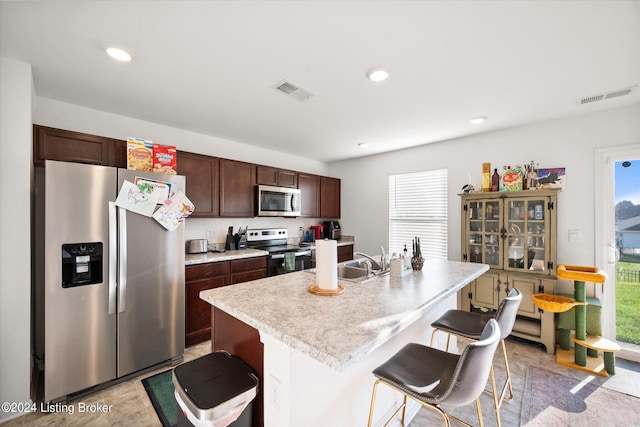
434 377
471 325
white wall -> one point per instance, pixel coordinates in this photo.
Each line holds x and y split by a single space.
62 115
568 143
15 229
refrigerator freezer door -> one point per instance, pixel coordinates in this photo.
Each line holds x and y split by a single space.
151 308
79 333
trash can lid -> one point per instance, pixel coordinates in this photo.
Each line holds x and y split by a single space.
214 379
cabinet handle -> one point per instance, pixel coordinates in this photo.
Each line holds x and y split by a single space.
498 287
503 233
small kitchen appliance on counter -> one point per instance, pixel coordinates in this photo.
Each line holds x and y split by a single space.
197 246
274 241
331 230
317 232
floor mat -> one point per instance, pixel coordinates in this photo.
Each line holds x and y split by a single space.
160 389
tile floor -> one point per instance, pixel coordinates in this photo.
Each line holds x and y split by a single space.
130 404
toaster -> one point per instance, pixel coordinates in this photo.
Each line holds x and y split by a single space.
197 246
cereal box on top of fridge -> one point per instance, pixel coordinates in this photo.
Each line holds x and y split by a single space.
139 154
164 159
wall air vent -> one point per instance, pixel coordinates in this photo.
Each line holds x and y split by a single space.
606 95
292 90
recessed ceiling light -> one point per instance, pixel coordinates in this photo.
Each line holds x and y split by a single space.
363 144
478 120
377 74
118 54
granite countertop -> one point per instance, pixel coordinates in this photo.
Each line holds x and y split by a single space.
193 259
341 330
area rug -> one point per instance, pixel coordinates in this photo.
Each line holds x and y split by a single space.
552 399
160 389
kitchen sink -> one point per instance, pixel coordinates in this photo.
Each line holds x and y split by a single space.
356 271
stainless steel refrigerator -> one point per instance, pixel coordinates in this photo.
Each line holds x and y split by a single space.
108 294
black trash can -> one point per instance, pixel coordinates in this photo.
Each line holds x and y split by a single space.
214 389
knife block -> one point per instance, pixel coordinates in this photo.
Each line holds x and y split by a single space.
230 244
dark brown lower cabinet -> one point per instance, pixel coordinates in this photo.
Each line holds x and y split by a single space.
212 275
236 337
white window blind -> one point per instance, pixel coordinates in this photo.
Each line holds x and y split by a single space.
418 207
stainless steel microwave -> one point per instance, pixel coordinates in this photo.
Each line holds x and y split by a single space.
278 201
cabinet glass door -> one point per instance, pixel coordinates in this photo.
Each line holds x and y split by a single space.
484 232
527 228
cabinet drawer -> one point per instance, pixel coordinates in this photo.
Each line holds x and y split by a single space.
206 271
249 264
248 276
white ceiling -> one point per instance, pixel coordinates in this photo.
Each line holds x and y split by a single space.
209 66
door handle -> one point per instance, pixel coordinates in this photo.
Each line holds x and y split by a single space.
613 253
122 260
113 257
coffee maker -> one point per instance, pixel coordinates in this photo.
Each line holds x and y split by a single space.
331 230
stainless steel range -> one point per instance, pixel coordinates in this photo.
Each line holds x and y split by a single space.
283 256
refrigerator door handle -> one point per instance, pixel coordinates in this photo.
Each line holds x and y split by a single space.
122 259
113 257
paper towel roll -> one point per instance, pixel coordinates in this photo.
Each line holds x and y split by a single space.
327 264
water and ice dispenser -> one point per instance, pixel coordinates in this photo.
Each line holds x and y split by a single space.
81 264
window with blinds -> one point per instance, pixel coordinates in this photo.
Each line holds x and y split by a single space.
418 207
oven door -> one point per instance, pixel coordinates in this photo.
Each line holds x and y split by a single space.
276 264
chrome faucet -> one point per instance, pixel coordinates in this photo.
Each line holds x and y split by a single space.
374 263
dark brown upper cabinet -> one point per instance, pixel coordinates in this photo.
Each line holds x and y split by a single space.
329 197
237 189
69 146
267 175
203 176
309 186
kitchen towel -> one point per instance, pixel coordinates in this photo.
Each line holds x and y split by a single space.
327 264
289 261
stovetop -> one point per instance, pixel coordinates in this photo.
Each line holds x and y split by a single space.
272 249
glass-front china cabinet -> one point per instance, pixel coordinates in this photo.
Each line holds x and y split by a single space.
515 234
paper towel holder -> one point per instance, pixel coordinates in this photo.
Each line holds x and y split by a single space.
314 289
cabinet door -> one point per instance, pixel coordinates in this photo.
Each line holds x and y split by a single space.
485 291
484 244
287 178
198 311
266 175
309 186
527 235
345 253
202 175
237 188
329 197
69 146
527 287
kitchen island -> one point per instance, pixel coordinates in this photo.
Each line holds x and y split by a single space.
319 351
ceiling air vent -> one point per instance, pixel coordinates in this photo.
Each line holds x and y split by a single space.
291 90
606 95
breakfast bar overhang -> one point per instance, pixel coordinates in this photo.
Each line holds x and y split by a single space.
318 351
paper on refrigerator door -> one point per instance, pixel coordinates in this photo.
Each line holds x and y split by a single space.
137 199
174 211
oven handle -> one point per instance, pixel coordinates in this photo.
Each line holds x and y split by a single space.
281 256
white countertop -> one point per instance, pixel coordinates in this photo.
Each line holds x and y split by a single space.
341 330
193 259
